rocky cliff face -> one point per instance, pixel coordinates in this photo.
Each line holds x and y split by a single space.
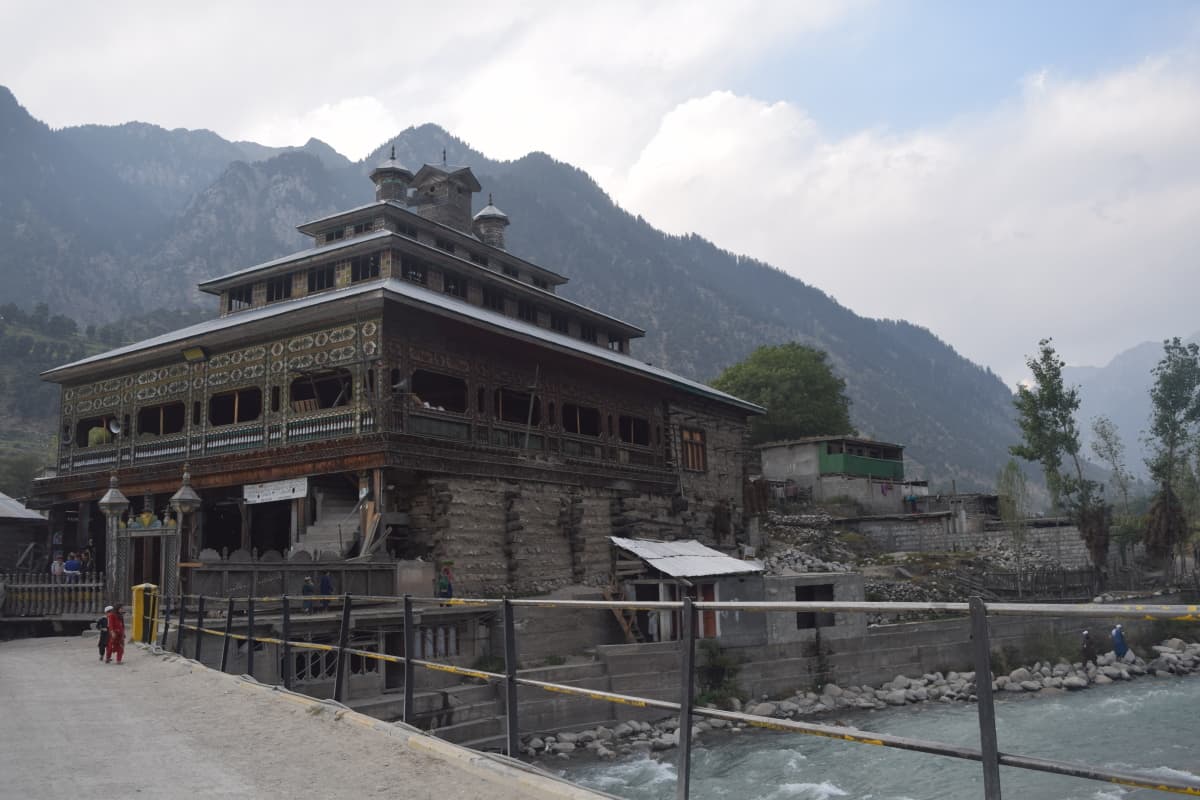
100 222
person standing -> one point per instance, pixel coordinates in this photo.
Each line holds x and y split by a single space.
56 569
325 589
445 583
72 568
1087 648
102 626
1120 647
116 634
307 591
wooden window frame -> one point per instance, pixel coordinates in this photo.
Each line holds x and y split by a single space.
693 450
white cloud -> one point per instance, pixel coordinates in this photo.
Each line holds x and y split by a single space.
1071 212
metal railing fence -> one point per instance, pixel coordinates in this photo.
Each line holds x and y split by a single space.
988 754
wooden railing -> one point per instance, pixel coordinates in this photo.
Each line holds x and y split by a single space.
38 594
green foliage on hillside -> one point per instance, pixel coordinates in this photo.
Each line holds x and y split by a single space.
797 387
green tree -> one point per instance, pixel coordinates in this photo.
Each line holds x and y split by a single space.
796 384
1046 415
1108 448
1174 415
1014 512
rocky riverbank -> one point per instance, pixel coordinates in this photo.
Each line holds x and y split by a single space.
1171 657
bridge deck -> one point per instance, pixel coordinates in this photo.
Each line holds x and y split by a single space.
163 727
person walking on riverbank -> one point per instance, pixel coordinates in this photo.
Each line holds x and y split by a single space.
1087 648
1120 647
116 634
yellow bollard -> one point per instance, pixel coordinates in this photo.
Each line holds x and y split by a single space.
145 611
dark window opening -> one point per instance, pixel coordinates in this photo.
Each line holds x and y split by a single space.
512 272
527 311
509 405
364 267
587 333
616 344
363 227
493 299
161 420
333 236
558 322
443 244
274 398
279 288
414 269
455 285
479 259
241 297
541 284
196 413
321 390
93 431
439 392
634 430
405 229
694 456
320 278
240 405
582 420
819 593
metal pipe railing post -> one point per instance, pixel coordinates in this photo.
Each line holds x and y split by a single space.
410 645
687 671
513 724
162 640
199 625
227 638
288 666
983 690
182 622
339 680
250 636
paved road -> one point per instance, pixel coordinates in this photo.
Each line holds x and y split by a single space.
161 727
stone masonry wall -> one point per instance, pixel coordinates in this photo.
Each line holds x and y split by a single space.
941 535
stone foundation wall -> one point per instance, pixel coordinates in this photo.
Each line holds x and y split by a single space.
943 534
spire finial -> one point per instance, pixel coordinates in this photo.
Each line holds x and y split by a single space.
490 199
443 156
393 152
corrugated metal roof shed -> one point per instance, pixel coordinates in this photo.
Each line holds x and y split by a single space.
11 509
685 559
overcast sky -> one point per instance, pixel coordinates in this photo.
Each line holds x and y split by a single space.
996 174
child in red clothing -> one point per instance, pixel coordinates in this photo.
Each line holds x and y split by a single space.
116 635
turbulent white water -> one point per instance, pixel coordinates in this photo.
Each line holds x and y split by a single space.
1151 725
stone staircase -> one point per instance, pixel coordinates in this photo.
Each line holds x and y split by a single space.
334 510
473 715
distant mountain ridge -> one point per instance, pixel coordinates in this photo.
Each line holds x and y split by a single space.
197 206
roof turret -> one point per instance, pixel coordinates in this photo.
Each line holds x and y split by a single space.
391 179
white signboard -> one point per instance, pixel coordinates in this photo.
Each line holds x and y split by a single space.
276 490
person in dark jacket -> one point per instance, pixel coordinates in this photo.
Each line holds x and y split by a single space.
308 590
326 589
1087 648
102 626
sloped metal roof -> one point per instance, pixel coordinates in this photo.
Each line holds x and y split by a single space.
11 509
685 559
419 296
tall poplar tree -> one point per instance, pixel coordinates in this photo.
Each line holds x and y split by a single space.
1174 417
1046 414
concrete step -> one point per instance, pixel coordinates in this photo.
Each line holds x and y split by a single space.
634 663
565 673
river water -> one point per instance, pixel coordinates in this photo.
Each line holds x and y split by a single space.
1150 725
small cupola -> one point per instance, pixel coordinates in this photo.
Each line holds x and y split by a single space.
391 180
489 225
